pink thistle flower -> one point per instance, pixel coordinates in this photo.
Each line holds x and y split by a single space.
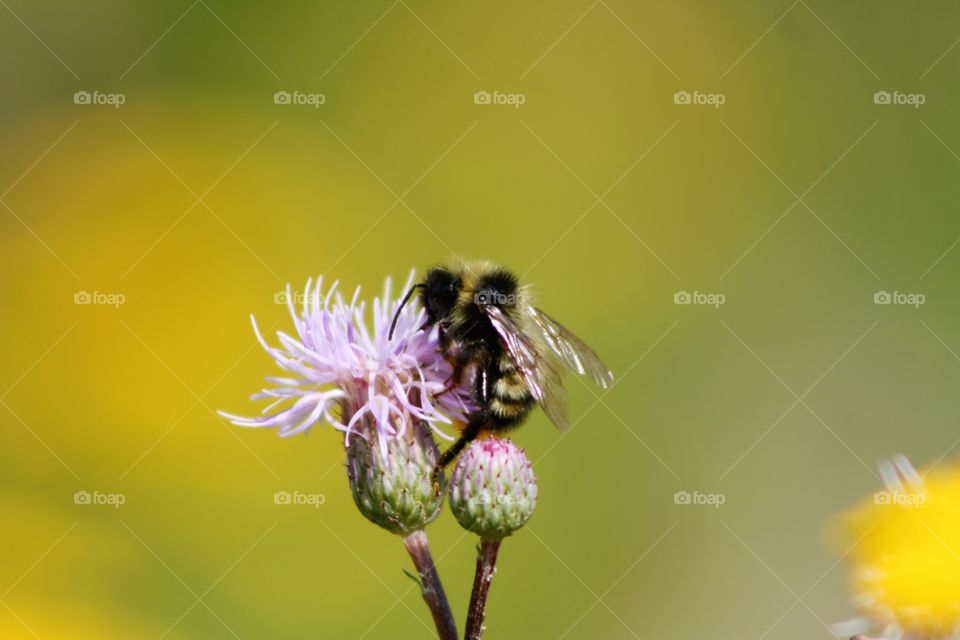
341 372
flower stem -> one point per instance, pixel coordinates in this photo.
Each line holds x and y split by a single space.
486 567
430 586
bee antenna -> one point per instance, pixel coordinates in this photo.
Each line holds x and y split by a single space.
403 303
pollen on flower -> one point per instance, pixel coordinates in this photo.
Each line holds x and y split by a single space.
903 546
342 372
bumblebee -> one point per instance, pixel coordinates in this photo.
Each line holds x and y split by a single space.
489 329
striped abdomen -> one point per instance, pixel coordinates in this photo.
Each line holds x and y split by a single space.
508 399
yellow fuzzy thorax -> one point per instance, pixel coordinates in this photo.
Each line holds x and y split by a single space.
905 554
470 270
470 273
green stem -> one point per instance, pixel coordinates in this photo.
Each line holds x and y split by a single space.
430 586
486 567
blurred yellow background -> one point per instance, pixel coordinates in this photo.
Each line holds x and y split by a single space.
798 199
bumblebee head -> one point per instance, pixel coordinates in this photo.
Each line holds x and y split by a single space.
438 295
439 292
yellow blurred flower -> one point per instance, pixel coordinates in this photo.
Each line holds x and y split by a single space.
904 552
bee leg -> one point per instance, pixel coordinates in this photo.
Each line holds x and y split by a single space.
452 384
468 435
456 377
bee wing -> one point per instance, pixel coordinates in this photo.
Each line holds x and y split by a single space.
554 402
571 350
538 370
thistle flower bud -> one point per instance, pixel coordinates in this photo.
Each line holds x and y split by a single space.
493 488
391 479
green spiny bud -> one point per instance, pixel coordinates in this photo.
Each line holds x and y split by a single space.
392 482
493 490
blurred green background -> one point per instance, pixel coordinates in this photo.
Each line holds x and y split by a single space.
197 199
